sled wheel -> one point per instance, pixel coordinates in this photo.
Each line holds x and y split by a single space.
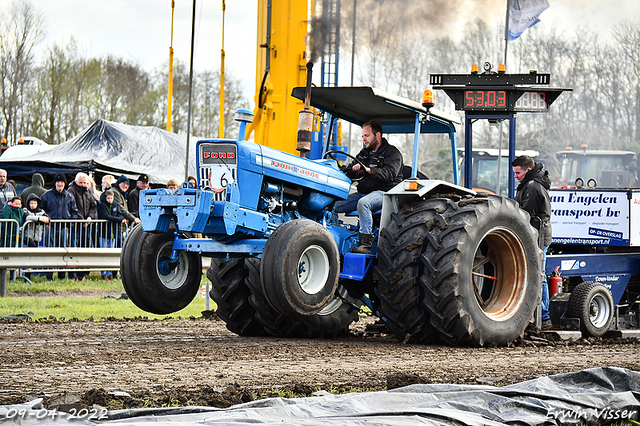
399 269
231 294
163 287
300 267
592 303
482 272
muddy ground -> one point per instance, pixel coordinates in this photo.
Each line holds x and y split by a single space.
142 363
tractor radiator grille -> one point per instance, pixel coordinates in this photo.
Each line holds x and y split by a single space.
218 168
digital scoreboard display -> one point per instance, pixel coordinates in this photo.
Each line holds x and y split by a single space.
532 102
485 100
499 93
497 100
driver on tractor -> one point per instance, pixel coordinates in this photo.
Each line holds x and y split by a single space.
377 169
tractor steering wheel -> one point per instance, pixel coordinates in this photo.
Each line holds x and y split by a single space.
334 151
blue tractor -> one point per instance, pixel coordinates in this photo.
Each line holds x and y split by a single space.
448 264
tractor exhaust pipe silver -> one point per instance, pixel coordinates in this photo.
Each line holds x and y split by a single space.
305 119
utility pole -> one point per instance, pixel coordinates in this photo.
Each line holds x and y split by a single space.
193 32
353 54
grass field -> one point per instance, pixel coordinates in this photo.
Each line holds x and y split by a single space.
67 299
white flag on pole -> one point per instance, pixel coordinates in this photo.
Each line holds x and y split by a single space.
524 14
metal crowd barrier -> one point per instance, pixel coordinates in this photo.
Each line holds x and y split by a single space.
9 232
96 233
60 245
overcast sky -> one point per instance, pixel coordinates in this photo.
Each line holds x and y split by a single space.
139 30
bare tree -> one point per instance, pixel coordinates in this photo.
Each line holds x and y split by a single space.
627 35
56 72
207 104
377 38
205 100
21 31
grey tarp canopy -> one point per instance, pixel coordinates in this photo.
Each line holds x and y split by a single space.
106 147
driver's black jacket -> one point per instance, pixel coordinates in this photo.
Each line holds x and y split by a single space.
386 168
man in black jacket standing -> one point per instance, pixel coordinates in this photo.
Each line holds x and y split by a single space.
120 196
133 199
37 187
533 196
382 171
59 204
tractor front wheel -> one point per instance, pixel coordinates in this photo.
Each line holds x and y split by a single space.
155 283
300 267
333 319
130 274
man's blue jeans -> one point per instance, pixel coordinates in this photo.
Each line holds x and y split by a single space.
365 205
545 287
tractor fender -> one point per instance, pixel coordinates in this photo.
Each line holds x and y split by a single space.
400 194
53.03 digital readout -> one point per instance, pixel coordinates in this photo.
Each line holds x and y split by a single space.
485 100
498 100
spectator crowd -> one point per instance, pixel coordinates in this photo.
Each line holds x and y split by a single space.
114 204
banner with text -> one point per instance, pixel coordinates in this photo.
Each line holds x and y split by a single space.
590 217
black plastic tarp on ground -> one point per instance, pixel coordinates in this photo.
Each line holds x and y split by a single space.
594 396
106 147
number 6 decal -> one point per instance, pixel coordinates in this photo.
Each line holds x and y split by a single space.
219 178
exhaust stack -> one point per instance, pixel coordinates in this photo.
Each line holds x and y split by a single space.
305 119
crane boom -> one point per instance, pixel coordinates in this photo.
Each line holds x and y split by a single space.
280 66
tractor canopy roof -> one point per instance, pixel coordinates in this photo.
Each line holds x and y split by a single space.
361 104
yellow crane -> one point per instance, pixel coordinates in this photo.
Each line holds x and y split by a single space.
280 66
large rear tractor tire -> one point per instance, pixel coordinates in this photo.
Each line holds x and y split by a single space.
154 283
231 294
272 321
399 269
333 320
483 272
300 268
592 303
